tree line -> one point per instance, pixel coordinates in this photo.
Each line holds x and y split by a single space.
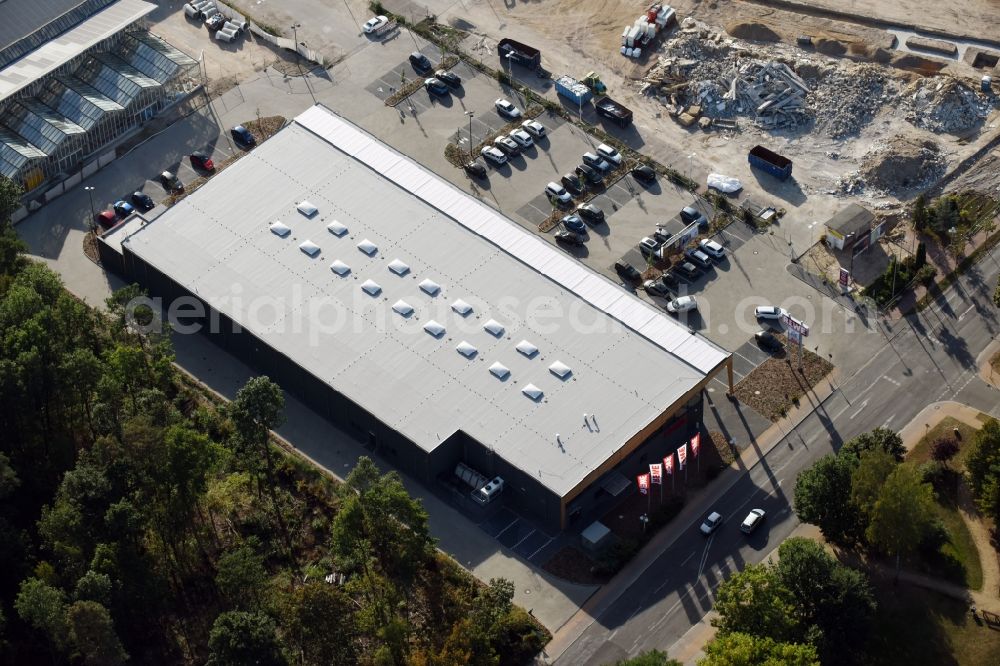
141 521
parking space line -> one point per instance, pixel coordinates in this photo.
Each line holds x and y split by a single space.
540 548
511 524
522 540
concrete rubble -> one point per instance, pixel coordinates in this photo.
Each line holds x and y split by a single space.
945 105
901 167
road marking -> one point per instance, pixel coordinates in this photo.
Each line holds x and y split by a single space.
506 528
888 421
970 308
540 547
704 555
860 409
522 540
687 559
890 380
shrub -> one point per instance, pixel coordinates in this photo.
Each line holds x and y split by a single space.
926 274
615 557
944 449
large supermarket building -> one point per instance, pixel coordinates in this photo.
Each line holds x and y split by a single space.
424 323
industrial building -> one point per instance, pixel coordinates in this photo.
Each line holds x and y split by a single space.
423 323
75 77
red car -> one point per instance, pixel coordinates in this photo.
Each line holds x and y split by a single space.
106 219
202 161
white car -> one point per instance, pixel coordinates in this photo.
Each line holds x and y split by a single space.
558 192
768 312
534 128
711 523
523 138
506 109
682 304
711 247
374 23
752 521
592 160
494 155
609 153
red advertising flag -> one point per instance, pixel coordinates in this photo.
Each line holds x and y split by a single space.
656 473
668 464
682 454
695 444
643 483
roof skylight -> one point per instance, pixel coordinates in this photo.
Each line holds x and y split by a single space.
499 370
430 287
368 247
402 307
461 307
434 328
280 228
466 349
398 267
309 248
494 328
560 370
336 228
307 208
340 268
371 288
533 392
526 348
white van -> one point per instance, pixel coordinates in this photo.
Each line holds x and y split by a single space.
682 304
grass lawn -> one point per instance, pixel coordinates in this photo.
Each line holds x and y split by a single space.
915 626
945 429
956 560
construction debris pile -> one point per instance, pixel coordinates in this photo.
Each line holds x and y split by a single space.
945 105
721 78
900 167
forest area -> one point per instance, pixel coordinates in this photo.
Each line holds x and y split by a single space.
143 521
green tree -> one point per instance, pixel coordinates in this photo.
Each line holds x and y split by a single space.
241 576
903 514
823 498
93 634
996 294
921 258
241 637
983 465
874 467
10 198
741 649
879 438
754 601
833 603
44 607
919 214
93 586
8 477
318 622
651 658
944 450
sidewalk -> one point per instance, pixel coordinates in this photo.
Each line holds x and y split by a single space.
933 414
692 511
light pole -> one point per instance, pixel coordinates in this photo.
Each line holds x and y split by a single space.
510 73
295 36
93 212
644 519
471 114
690 168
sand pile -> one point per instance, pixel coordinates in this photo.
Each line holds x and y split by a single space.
901 167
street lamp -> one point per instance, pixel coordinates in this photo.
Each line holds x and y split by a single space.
93 212
295 36
644 519
471 114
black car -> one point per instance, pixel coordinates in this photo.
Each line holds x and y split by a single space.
768 341
142 201
627 271
572 184
656 288
420 62
475 169
452 79
690 214
435 86
591 174
688 270
644 173
242 136
670 280
590 213
569 237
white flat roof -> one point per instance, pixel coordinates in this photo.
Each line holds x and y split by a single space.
340 323
55 53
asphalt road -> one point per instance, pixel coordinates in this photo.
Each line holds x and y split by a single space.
921 360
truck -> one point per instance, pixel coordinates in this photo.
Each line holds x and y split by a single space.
522 54
573 90
777 165
612 110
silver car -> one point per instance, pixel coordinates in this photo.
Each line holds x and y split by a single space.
523 138
494 155
711 523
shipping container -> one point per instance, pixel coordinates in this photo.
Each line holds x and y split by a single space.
573 90
777 165
612 110
522 54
